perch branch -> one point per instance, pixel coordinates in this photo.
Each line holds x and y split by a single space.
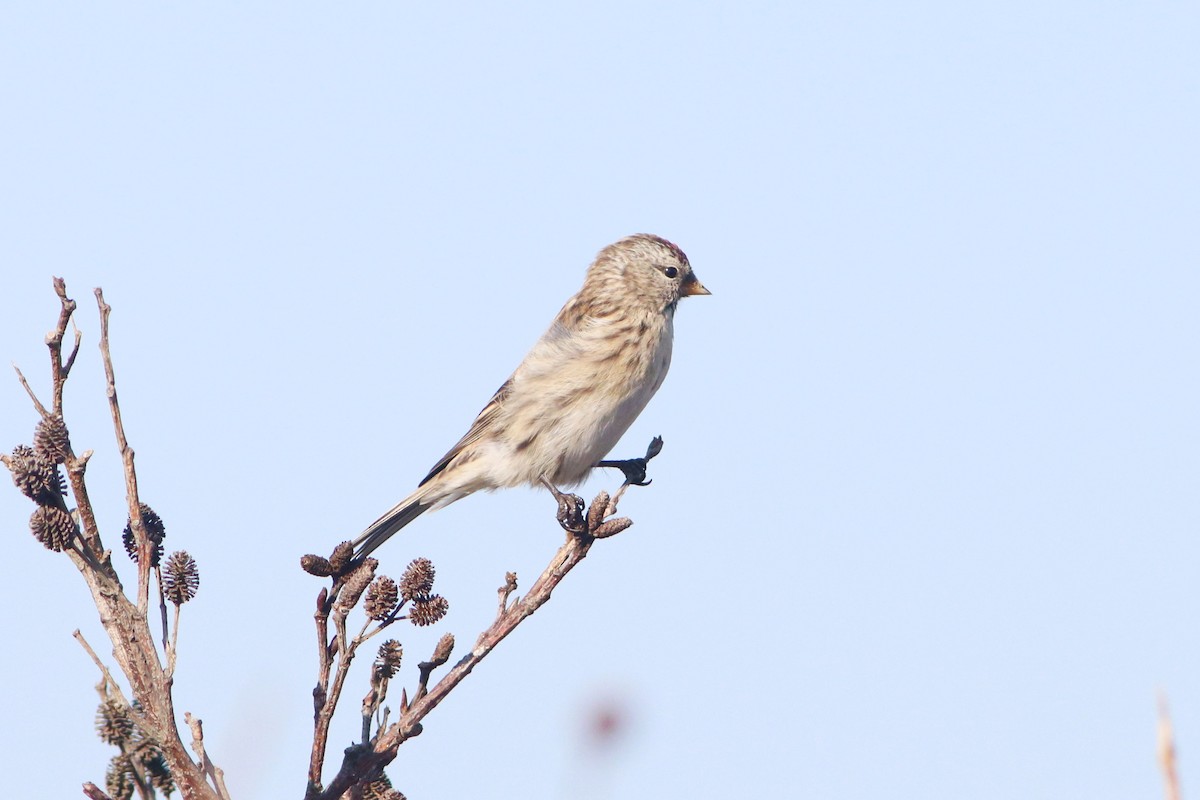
582 532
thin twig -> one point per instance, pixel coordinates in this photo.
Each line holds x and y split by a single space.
102 667
131 486
94 792
567 558
41 409
425 670
70 362
345 655
371 702
105 688
60 370
215 774
173 645
76 469
162 603
324 658
322 710
108 689
505 591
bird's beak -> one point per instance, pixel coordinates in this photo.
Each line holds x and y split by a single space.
692 286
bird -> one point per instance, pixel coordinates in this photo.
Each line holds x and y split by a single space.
575 393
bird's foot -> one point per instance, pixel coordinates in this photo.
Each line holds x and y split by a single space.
570 510
634 469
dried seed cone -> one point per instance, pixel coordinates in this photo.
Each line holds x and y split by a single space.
612 527
155 764
427 610
118 779
316 565
155 532
379 787
50 439
53 527
181 578
388 660
113 724
417 580
441 653
36 477
597 510
340 558
356 583
382 598
153 522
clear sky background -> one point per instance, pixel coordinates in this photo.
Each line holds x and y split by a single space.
926 521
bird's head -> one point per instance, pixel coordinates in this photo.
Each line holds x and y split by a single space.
645 268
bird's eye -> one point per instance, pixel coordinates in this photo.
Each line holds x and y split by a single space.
671 272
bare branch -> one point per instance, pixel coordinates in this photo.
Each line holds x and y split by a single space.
566 559
162 607
322 708
131 488
76 467
583 531
94 792
126 624
106 676
348 587
59 370
41 409
510 586
172 646
70 362
214 773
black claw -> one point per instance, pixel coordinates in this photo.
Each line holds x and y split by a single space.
634 469
570 513
635 473
655 447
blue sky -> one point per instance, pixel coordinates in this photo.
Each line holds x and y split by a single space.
924 524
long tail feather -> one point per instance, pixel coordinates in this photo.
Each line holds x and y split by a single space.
382 529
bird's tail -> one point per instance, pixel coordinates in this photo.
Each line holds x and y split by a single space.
381 529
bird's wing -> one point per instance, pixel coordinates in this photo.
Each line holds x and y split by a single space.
477 430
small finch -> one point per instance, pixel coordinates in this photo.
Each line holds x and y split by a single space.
577 391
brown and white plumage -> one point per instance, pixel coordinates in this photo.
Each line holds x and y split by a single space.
576 392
